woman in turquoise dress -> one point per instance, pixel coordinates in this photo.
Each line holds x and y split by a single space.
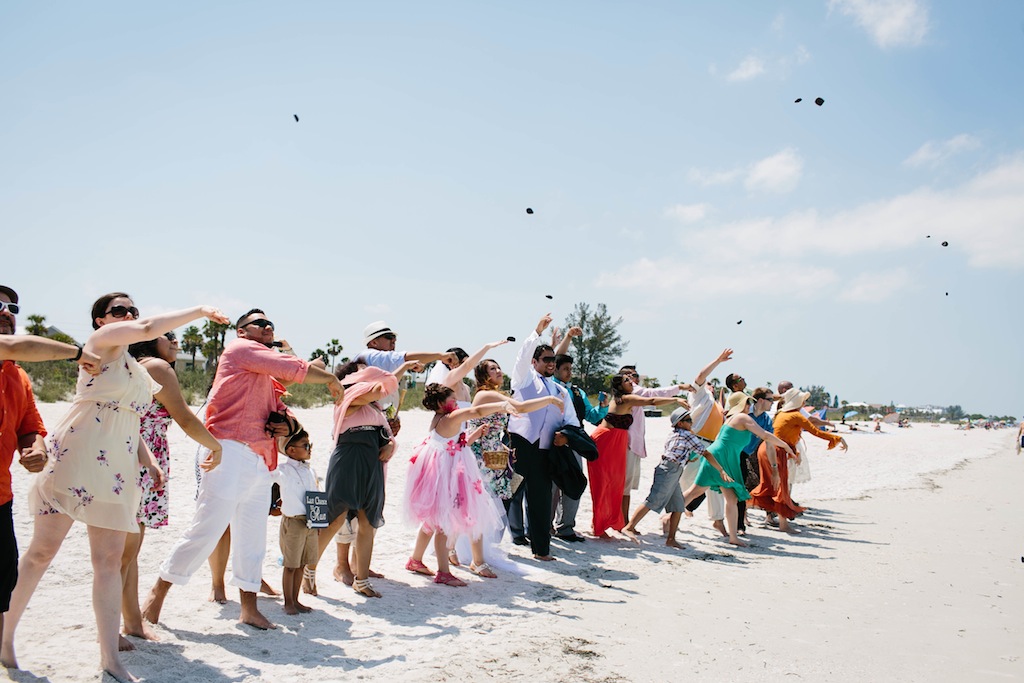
727 479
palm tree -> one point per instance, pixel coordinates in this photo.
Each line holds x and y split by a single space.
192 341
36 326
334 347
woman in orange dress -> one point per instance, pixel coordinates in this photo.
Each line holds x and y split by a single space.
608 471
772 494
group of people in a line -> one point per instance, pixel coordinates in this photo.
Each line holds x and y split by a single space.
486 465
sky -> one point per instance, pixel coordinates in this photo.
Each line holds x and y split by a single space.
152 148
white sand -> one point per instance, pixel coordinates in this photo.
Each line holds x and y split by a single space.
908 568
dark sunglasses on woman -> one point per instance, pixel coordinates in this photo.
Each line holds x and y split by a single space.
122 311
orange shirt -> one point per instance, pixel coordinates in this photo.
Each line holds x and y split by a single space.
789 425
243 394
18 417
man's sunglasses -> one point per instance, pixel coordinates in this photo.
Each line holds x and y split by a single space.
13 308
262 323
122 311
389 336
547 359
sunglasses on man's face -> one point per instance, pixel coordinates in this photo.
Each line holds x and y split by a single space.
389 337
122 311
547 359
13 308
261 323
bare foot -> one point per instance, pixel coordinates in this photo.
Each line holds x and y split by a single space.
673 543
741 532
688 513
303 608
735 540
7 658
603 534
720 526
141 630
256 620
120 674
374 575
154 602
544 558
789 529
267 590
344 575
291 609
631 535
218 595
124 645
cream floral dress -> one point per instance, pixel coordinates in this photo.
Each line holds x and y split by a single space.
93 467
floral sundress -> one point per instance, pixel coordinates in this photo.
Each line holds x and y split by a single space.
91 473
498 481
154 510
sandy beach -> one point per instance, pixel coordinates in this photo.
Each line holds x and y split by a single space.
908 568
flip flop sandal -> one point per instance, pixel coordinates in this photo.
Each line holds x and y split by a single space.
483 569
449 580
309 581
417 567
364 587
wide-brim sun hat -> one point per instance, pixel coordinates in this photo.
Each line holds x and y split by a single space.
737 403
794 399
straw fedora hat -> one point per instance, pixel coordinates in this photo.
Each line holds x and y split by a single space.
737 403
794 399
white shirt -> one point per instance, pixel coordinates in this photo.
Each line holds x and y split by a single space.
295 477
540 425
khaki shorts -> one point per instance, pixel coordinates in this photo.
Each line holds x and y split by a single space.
298 543
632 472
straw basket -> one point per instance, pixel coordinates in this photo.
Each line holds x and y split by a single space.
496 460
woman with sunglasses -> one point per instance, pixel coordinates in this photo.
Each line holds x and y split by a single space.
157 356
94 455
608 471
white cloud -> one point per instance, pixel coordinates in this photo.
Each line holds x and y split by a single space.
891 23
778 173
933 153
868 287
688 213
749 68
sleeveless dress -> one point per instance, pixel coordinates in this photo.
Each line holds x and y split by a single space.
91 474
726 449
498 481
608 471
154 510
444 491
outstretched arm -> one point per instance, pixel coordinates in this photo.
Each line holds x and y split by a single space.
456 376
563 344
702 378
630 400
150 327
33 349
521 370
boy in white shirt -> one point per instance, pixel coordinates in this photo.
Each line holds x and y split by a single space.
298 541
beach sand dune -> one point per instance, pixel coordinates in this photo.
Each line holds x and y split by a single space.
908 568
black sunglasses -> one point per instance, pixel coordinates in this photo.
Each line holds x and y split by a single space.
547 359
122 311
13 308
262 322
389 336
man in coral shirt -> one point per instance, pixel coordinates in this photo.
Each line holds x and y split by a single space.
235 493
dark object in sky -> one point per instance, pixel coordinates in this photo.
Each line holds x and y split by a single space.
548 296
818 101
947 293
529 210
739 322
945 244
799 99
927 237
510 338
296 117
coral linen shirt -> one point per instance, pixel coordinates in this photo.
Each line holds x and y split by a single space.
791 424
243 394
18 418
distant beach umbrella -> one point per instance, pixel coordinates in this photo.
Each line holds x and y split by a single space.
849 413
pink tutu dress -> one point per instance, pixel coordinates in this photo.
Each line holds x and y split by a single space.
445 492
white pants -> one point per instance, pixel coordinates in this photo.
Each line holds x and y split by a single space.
236 492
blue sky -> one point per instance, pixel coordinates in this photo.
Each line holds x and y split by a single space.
152 148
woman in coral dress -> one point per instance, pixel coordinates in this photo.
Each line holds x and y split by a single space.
91 475
608 472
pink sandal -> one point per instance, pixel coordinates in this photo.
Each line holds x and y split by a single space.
417 567
449 580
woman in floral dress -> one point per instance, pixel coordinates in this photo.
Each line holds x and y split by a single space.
157 356
91 474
